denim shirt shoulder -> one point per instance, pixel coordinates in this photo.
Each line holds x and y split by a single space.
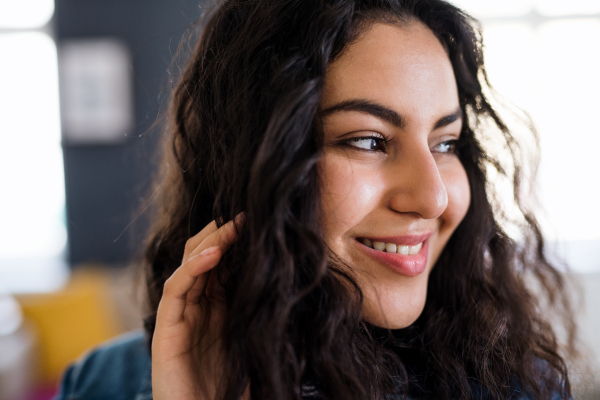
117 370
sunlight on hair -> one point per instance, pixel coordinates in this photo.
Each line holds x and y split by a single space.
25 13
513 92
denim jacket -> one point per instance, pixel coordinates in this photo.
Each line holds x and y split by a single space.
120 370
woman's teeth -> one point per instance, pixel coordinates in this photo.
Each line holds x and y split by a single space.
393 248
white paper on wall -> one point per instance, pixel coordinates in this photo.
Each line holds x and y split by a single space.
96 93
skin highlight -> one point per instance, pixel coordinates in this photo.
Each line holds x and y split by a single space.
411 182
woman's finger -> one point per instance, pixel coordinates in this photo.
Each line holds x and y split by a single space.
191 274
223 237
195 241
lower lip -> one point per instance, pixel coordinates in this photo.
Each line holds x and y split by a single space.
400 263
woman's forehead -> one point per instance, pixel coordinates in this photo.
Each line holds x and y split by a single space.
405 67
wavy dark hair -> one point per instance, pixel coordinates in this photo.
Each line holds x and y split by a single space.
245 135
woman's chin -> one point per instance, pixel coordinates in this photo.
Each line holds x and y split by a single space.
391 324
393 317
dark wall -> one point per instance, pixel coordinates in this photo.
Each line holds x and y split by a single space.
105 185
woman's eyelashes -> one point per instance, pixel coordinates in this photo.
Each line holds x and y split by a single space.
379 143
368 143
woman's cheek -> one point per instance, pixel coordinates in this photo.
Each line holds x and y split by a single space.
349 191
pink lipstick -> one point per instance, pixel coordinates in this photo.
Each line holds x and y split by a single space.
396 256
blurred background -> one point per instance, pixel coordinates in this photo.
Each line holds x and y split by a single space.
82 86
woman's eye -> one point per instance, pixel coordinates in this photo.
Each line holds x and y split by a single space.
448 146
368 143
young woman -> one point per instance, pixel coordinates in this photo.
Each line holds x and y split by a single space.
326 227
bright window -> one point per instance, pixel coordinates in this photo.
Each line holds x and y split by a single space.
495 8
32 208
543 57
561 8
25 13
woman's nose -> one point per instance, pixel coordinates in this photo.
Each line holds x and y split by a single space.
416 185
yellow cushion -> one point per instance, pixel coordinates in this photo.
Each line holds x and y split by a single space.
69 321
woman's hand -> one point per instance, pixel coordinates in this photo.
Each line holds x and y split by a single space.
186 347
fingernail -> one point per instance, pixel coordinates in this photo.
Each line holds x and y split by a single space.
209 251
240 217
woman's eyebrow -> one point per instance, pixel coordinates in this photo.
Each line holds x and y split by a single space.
365 106
448 119
384 113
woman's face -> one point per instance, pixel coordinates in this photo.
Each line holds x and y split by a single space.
393 190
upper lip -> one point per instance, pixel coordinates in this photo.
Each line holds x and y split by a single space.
406 240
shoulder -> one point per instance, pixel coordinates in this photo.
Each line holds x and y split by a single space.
119 369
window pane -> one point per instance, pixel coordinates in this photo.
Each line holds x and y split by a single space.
31 166
30 154
561 7
494 8
25 13
566 109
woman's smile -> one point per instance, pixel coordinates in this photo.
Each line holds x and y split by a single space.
407 255
393 188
